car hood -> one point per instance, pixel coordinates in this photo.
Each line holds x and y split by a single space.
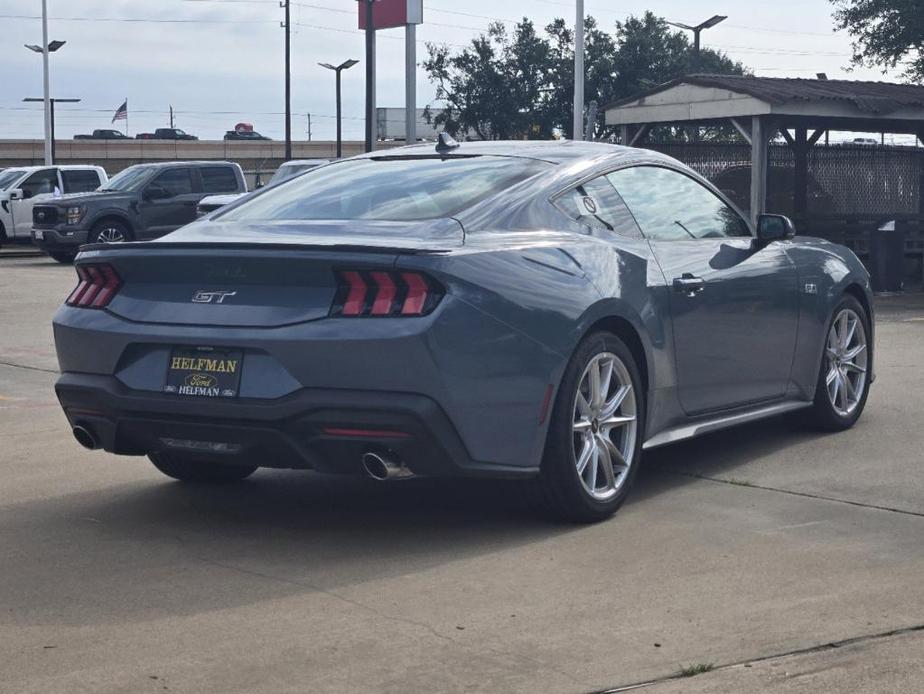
94 196
224 199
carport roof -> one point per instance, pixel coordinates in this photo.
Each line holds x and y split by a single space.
879 105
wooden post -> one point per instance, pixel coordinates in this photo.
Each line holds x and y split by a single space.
800 179
759 162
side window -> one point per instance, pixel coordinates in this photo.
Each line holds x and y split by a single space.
175 181
670 206
40 183
80 180
218 179
597 204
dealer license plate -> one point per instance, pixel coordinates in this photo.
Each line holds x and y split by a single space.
204 372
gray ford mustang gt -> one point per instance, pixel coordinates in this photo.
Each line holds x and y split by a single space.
544 311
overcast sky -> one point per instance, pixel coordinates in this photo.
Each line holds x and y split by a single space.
223 62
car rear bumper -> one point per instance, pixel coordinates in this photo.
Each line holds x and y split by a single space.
322 429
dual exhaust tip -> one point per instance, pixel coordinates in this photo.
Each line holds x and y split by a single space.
385 466
85 437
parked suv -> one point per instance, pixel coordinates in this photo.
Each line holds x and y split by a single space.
141 203
21 187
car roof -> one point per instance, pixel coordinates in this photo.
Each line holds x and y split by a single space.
65 167
304 162
553 151
164 164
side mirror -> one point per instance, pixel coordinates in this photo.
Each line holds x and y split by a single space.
774 227
16 194
156 192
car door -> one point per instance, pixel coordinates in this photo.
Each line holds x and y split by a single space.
40 184
168 202
734 304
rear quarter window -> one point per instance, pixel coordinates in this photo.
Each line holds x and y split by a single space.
218 179
80 181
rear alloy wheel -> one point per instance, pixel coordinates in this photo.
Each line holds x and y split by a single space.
594 440
110 232
843 383
199 471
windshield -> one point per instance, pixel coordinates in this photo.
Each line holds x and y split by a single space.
7 177
131 179
399 189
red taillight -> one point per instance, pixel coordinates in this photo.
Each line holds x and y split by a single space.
381 293
98 284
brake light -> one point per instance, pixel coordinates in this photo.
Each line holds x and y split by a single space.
382 293
98 284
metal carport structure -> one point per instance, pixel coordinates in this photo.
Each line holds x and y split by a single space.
761 107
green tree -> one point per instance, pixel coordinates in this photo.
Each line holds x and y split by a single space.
886 33
522 85
498 87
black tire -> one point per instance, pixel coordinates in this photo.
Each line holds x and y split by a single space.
199 471
108 227
65 258
559 491
823 414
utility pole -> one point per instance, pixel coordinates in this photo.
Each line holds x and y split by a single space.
287 24
47 94
172 123
579 72
370 76
309 127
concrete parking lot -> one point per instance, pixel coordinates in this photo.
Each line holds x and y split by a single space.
781 559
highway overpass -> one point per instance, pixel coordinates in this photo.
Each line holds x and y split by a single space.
262 157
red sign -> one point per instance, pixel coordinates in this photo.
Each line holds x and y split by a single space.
387 14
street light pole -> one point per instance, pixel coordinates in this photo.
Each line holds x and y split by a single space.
346 65
697 30
49 145
579 72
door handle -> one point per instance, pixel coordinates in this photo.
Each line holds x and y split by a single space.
688 284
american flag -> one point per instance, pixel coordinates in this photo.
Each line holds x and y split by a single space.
121 112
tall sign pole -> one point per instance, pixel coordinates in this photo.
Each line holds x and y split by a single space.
370 76
579 72
47 86
410 84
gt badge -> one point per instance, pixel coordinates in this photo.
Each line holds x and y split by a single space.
216 297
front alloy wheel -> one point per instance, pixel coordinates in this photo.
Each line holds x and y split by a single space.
846 357
844 377
110 234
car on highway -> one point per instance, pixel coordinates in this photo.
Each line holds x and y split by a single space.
166 134
103 134
287 170
532 311
21 187
140 203
248 135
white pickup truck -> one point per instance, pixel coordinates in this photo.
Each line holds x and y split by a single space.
22 186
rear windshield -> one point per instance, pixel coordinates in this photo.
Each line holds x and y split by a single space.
388 189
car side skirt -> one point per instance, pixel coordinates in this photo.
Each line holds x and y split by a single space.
725 420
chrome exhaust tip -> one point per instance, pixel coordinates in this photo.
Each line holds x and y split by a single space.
383 467
85 438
